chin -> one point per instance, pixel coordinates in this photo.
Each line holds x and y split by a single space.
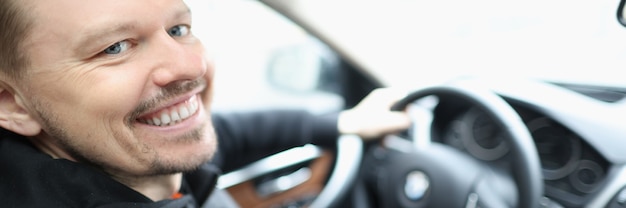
182 153
180 164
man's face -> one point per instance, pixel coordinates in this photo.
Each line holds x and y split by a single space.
120 84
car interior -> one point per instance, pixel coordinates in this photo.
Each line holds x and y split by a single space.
514 104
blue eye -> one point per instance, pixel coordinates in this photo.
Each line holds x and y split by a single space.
178 31
117 48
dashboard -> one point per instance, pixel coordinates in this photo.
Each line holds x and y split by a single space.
578 161
571 168
577 131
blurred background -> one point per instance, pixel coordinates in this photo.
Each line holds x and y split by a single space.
256 49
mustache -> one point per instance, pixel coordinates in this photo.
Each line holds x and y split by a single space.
168 92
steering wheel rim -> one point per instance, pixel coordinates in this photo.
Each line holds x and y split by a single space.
344 172
526 165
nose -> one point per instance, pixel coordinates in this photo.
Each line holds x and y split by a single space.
176 60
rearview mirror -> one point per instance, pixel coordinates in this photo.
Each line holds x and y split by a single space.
304 67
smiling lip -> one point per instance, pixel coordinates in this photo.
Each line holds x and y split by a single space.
173 114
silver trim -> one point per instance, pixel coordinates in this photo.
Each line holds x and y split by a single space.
349 155
472 201
421 112
270 164
398 143
611 189
284 183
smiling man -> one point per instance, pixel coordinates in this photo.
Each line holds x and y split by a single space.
106 104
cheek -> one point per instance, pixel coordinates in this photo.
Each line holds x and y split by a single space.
87 117
83 119
209 65
100 98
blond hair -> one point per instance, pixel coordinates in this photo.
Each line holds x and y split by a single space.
15 25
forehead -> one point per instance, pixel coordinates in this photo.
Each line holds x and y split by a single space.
84 11
67 19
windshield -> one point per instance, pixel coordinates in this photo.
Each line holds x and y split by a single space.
416 43
576 41
420 43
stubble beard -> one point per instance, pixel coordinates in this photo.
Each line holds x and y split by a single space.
159 165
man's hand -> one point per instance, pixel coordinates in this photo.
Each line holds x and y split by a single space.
372 117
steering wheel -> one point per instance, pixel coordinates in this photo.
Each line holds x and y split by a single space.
433 176
440 176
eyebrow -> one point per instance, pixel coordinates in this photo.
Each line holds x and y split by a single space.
97 37
119 28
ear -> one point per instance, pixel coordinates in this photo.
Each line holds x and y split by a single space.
13 114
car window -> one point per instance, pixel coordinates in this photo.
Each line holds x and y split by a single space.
262 59
568 41
418 43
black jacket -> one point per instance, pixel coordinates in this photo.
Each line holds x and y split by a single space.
30 178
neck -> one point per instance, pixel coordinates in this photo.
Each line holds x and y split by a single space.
155 188
47 147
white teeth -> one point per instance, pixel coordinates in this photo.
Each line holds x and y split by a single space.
194 107
165 118
174 115
184 113
156 121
